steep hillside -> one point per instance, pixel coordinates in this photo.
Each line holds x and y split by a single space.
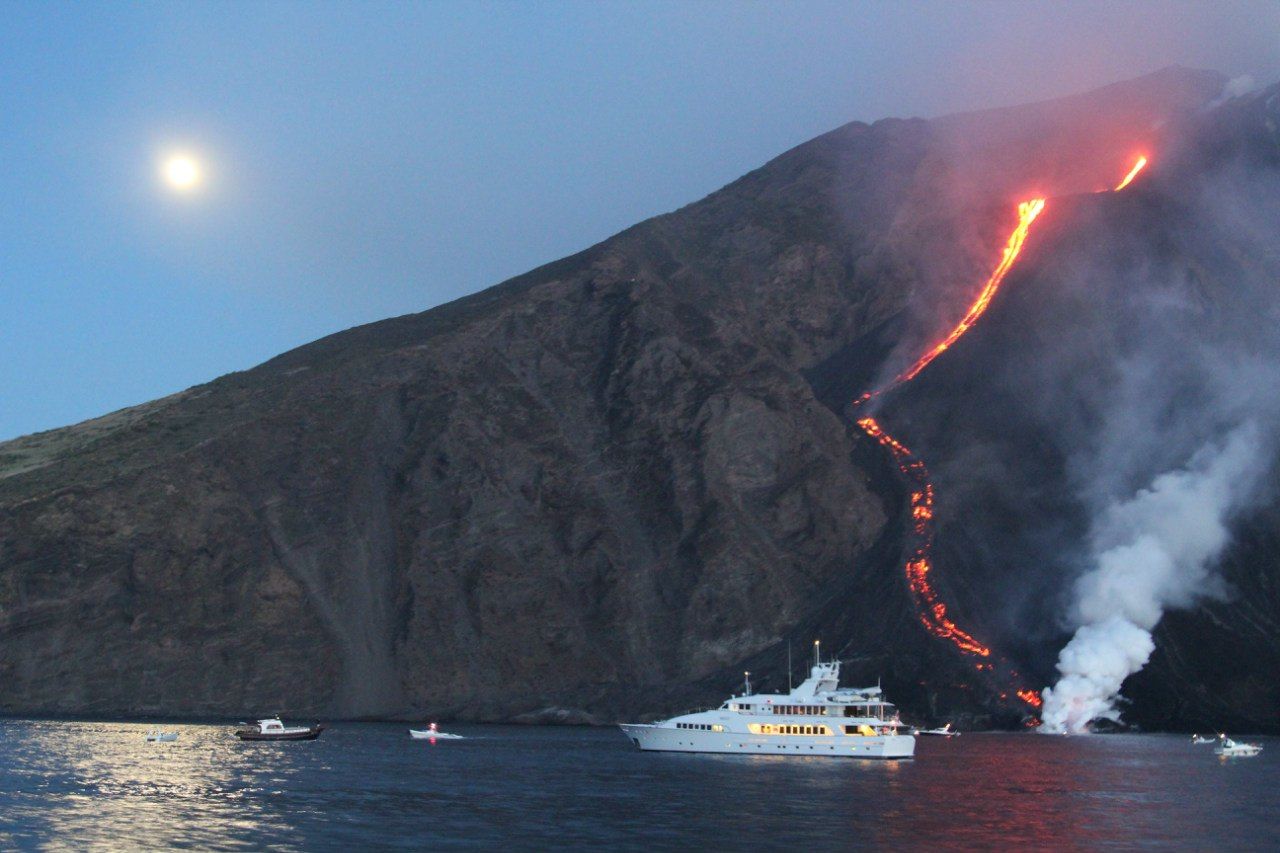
628 473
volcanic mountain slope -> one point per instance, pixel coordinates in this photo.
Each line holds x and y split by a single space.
603 487
1138 328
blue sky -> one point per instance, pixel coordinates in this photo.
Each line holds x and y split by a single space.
365 160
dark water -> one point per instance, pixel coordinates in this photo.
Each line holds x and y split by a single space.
368 786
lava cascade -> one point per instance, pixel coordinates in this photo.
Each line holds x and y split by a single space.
933 611
929 605
1133 173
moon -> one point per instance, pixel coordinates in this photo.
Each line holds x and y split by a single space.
182 172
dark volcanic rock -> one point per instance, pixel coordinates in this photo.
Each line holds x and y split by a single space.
622 475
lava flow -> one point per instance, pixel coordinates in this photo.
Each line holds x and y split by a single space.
933 612
1027 213
1133 173
931 609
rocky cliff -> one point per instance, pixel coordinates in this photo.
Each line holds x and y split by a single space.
605 487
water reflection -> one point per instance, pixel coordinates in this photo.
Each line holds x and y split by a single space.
75 785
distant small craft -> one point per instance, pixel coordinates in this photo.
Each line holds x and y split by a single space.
273 729
432 733
945 731
158 736
1198 739
1230 748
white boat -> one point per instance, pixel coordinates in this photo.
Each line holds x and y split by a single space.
1200 739
1230 748
158 736
945 731
273 729
816 718
431 732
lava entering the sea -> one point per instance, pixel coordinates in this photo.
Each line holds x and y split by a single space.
931 609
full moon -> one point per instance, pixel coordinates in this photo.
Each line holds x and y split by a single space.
182 172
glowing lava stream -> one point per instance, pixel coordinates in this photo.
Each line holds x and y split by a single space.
1133 173
932 610
1027 213
933 613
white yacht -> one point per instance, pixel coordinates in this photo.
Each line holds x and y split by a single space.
816 718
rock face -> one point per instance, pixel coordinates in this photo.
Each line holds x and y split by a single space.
598 490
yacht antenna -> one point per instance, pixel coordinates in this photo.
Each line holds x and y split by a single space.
817 652
789 687
746 678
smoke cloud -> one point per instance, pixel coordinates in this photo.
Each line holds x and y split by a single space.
1150 552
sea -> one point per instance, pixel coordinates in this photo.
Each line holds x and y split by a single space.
368 786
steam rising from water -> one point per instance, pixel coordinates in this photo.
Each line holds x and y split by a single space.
1152 551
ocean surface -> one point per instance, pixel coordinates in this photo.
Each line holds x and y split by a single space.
78 785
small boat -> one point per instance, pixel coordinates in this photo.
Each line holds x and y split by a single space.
273 729
431 732
945 731
1230 748
1199 739
158 736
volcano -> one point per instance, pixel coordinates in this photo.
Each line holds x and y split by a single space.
609 485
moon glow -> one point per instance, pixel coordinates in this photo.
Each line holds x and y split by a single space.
182 172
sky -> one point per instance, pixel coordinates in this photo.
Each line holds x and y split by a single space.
363 160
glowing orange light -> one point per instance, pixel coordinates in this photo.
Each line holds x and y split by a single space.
1027 213
930 608
932 611
1133 173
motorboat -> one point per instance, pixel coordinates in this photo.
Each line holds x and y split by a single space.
274 729
1229 748
945 731
432 732
816 718
1201 739
158 736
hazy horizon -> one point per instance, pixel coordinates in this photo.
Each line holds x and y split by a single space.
361 162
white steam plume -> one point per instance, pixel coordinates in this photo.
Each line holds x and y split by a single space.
1151 552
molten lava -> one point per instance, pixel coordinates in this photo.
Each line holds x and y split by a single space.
1027 213
1133 173
932 611
1031 697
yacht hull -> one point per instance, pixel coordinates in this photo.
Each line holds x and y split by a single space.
306 734
657 738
